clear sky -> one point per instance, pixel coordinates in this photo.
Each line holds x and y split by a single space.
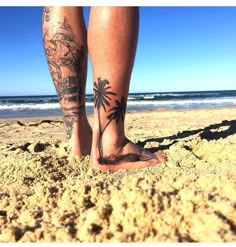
179 49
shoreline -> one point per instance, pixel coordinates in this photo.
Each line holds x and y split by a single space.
48 196
129 112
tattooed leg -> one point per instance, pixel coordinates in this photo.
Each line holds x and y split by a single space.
65 43
112 39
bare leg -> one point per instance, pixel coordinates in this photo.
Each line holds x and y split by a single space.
112 40
65 43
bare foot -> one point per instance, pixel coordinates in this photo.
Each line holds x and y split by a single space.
127 156
81 139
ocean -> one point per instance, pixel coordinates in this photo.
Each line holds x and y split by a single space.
47 105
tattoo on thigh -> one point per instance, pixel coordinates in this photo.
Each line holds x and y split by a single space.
66 62
102 101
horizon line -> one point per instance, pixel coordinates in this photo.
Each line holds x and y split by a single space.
40 95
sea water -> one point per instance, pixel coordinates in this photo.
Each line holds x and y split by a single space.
48 105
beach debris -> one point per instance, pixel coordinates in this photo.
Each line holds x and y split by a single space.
45 121
20 123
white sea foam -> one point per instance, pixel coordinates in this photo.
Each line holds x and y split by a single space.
184 102
48 106
43 106
149 97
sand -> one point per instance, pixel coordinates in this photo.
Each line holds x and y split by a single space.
47 196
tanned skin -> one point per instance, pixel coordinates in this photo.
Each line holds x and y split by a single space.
111 43
66 54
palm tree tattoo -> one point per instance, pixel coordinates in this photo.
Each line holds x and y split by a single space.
102 99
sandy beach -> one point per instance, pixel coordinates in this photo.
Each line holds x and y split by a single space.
48 196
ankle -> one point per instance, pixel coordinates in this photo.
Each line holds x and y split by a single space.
110 137
80 127
77 127
80 140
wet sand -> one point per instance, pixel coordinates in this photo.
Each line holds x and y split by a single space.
47 196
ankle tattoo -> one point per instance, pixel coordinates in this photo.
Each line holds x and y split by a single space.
102 99
71 115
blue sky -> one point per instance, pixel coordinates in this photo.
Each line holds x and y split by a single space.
179 49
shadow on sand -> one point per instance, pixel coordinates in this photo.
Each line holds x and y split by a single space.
208 133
